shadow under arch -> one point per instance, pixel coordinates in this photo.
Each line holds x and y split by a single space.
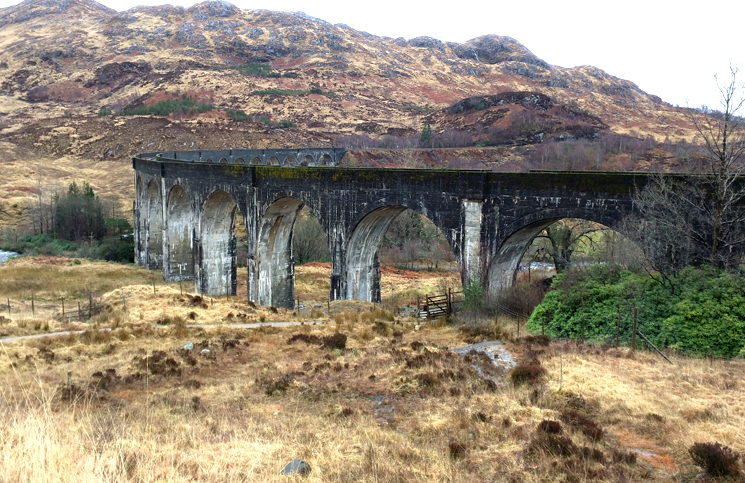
153 227
276 264
216 254
503 267
180 237
363 252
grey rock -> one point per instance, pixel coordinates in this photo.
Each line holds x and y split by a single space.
427 42
255 33
188 346
296 466
205 352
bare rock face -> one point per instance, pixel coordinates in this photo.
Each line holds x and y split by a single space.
214 8
493 49
119 73
34 9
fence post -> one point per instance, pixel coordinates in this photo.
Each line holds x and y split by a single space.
426 304
418 307
518 326
63 308
618 327
90 304
633 332
8 307
33 310
80 312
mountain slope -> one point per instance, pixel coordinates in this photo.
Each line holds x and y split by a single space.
276 79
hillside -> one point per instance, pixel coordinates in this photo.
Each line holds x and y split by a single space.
274 79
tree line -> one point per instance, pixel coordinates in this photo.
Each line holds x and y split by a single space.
75 221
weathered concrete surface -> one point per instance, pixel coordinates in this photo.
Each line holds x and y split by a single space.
489 219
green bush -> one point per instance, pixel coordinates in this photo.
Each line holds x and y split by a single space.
286 124
706 313
237 115
255 68
473 295
183 103
277 92
116 249
104 111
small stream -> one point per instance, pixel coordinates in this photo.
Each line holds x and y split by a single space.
5 256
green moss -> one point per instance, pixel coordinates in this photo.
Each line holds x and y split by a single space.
233 169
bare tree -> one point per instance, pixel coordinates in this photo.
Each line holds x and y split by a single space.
698 219
564 238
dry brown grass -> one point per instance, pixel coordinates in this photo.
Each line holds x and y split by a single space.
393 405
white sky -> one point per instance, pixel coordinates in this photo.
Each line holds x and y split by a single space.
668 48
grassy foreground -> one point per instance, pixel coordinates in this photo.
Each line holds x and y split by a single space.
393 404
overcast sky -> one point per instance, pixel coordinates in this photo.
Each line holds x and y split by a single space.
668 48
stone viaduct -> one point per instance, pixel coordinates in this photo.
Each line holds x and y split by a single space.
187 203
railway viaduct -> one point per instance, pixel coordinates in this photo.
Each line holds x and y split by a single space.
187 203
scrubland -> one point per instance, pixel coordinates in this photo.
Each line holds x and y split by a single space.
361 394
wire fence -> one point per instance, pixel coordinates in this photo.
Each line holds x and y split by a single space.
63 309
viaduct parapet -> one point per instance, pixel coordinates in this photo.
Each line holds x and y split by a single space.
187 203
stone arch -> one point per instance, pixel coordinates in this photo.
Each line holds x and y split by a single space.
502 269
325 160
179 232
153 226
223 161
363 253
239 161
290 161
273 161
209 160
276 266
308 160
256 160
217 263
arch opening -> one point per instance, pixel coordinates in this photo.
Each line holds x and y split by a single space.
288 231
545 247
290 161
325 160
307 160
153 227
217 245
398 236
239 161
273 161
256 161
180 236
